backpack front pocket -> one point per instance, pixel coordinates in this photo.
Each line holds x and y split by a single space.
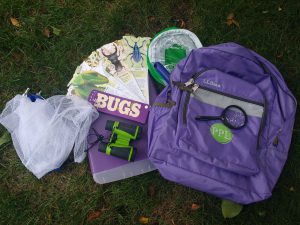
214 142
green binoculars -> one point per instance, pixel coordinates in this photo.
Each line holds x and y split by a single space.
120 138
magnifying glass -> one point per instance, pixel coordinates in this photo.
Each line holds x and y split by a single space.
232 116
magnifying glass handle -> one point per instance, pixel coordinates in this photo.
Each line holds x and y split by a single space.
208 118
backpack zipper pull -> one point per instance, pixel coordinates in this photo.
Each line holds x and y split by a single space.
195 87
189 82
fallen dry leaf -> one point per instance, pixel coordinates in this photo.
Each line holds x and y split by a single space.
230 16
34 12
179 23
47 32
182 24
17 56
43 10
144 220
49 217
151 190
93 215
195 207
231 20
151 19
279 55
15 22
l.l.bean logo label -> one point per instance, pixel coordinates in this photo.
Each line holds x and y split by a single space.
221 133
119 106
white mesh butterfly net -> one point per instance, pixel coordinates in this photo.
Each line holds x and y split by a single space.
45 132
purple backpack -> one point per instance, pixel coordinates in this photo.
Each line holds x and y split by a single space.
239 163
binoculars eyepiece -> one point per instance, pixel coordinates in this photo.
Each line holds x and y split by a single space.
128 128
127 153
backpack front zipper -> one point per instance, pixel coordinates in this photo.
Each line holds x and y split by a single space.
191 83
196 86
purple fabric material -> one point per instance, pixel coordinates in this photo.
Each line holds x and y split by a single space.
246 169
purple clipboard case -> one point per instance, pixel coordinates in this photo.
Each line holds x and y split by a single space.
105 168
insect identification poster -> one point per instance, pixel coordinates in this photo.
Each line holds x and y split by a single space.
118 68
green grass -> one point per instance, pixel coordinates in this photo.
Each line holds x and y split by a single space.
29 59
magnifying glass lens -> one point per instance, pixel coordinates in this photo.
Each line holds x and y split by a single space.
235 117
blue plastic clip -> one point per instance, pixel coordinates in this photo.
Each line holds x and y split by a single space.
162 71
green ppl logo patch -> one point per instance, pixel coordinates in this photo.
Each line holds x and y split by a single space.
221 133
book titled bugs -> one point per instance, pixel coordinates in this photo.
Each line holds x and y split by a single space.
119 106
